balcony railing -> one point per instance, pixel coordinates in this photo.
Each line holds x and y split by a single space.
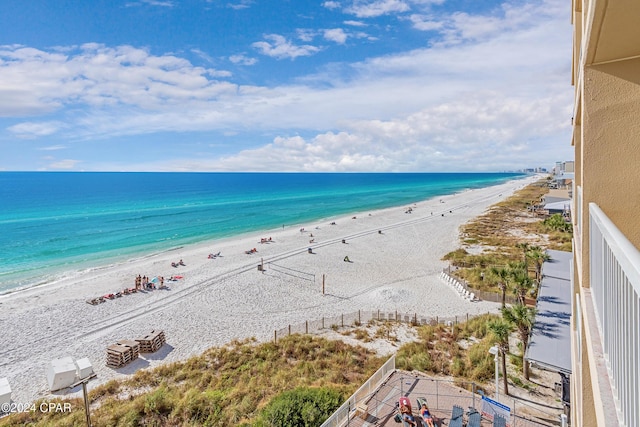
615 289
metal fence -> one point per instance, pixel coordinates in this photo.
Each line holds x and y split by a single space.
381 392
360 317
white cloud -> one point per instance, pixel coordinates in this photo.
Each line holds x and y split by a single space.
475 101
305 34
53 148
67 164
242 59
335 35
35 82
331 4
165 3
243 4
425 23
355 23
279 47
372 9
29 130
204 55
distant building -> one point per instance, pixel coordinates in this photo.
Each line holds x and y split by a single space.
605 315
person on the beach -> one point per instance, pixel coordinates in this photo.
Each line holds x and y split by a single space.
426 415
346 259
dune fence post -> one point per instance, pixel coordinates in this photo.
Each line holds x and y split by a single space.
306 326
359 322
323 284
289 329
275 336
342 320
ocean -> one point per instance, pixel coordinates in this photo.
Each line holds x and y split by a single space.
56 224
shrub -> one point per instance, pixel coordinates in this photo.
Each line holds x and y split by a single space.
557 222
300 407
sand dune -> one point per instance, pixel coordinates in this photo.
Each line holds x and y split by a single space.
395 260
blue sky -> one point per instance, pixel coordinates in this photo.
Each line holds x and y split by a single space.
317 86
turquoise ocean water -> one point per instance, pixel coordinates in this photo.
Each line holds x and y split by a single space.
54 224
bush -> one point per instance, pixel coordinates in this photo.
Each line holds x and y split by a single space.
557 222
301 407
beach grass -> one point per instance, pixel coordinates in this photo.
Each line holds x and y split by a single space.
494 239
246 383
229 385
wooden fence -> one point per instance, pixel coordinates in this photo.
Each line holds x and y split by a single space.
360 317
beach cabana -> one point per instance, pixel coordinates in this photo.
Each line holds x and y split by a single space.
61 373
5 391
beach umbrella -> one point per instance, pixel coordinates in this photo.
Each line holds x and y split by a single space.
155 280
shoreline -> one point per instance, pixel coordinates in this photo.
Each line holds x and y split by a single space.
395 262
52 271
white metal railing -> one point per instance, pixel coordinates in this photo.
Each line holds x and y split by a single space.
343 413
615 289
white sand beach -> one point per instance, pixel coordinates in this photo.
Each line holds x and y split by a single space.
395 264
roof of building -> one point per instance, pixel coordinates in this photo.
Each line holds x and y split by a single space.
550 343
558 205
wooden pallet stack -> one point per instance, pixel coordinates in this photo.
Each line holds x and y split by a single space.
119 355
133 345
151 342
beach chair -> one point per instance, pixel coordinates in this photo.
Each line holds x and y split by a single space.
456 416
499 421
420 401
474 419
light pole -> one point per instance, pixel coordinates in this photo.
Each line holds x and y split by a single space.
494 350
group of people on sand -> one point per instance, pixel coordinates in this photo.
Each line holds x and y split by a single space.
251 251
141 283
408 420
265 240
214 256
176 264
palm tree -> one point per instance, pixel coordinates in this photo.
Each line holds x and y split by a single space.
501 277
539 256
523 284
522 318
501 330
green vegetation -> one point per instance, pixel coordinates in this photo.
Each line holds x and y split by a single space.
298 381
439 350
513 243
244 383
521 318
300 407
